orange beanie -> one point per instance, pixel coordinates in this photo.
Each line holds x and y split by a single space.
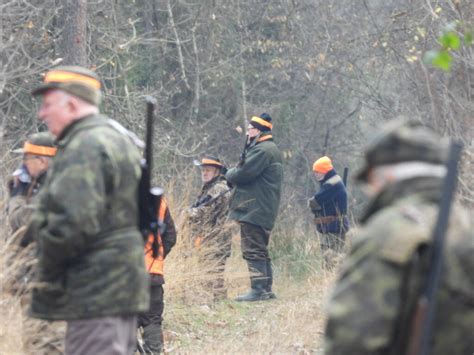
322 165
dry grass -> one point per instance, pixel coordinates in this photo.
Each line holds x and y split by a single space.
292 324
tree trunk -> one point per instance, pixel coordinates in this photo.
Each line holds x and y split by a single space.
73 39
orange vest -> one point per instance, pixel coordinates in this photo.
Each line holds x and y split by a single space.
155 265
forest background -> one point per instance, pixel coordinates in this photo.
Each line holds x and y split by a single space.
329 72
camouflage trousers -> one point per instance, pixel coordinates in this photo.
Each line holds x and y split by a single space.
217 283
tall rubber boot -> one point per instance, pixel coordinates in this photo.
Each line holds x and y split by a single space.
258 282
268 287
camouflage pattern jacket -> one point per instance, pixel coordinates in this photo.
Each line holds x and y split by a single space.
208 216
90 250
373 300
21 202
257 183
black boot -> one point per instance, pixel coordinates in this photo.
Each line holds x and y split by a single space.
268 287
258 282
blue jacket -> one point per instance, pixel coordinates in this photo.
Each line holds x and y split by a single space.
331 200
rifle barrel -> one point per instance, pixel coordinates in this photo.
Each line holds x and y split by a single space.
436 257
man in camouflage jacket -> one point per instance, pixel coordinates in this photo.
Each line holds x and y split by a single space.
209 223
27 181
254 203
373 302
91 267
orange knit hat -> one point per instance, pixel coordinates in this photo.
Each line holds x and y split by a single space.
322 165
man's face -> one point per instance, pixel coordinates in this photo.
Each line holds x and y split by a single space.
208 173
35 164
55 111
318 176
252 131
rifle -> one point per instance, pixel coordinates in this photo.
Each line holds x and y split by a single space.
149 198
344 176
244 152
422 321
207 200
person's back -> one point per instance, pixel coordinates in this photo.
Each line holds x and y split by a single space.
372 306
392 247
99 224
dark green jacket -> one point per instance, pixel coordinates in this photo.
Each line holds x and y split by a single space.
257 184
90 250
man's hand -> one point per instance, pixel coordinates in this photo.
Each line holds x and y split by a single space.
314 205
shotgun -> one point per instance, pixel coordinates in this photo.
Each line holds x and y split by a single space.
149 198
424 314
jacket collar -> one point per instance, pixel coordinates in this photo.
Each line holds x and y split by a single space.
426 188
261 137
328 175
78 125
209 184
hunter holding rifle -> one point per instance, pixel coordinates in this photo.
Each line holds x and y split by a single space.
91 268
210 229
254 203
329 206
374 302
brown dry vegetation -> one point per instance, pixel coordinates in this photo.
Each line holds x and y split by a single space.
293 323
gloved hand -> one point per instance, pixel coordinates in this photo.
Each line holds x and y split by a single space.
314 205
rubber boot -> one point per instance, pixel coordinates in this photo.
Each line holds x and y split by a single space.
152 339
258 282
268 288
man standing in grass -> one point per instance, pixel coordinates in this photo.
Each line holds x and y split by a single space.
91 267
329 206
254 203
209 223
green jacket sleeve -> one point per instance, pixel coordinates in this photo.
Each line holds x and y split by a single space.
256 162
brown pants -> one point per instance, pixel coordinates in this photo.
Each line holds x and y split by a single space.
254 242
105 336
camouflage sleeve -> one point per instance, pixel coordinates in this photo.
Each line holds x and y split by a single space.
205 213
364 303
75 203
19 212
